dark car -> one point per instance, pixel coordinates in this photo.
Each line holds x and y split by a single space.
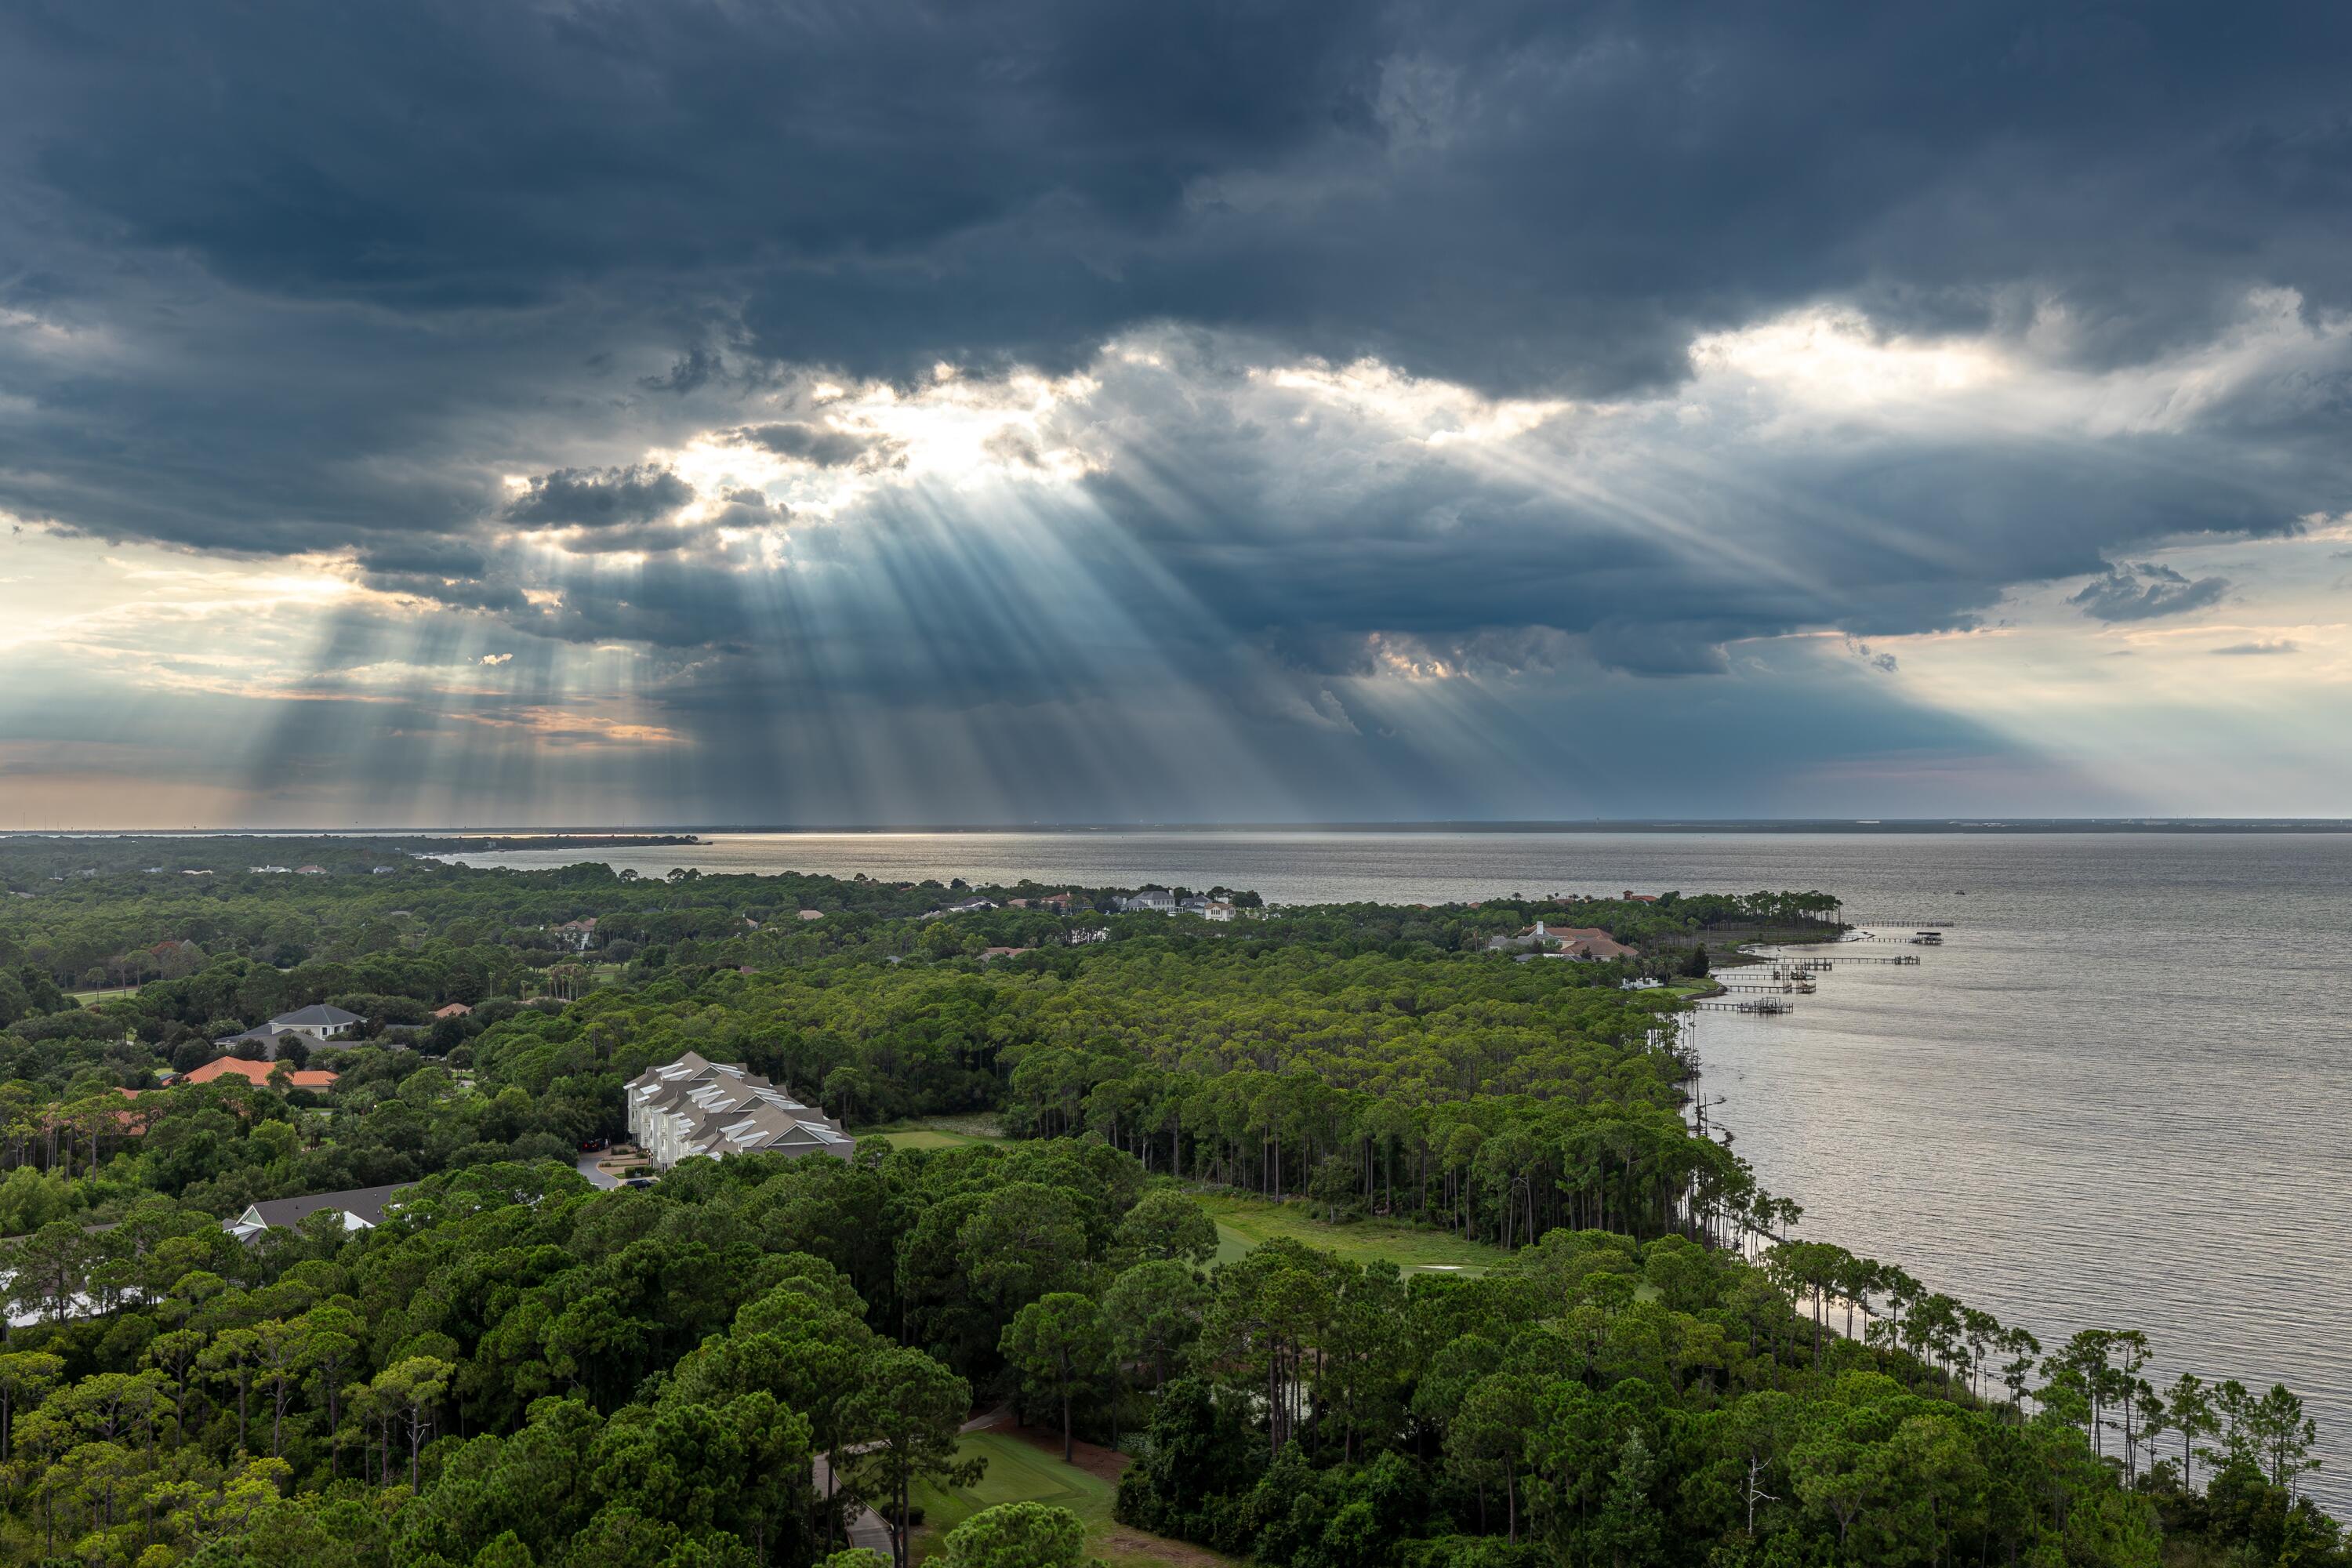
638 1182
594 1144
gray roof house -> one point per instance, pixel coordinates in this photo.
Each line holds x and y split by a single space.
317 1020
315 1023
694 1106
362 1208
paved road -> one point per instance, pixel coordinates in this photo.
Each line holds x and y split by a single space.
595 1177
865 1526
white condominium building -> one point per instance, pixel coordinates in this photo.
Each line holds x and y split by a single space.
698 1107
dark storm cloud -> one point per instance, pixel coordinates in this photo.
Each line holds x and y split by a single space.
2144 591
614 498
817 444
314 279
1532 194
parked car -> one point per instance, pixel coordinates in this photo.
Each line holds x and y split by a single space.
595 1145
638 1182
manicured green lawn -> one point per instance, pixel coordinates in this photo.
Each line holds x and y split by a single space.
1242 1223
1017 1472
1020 1472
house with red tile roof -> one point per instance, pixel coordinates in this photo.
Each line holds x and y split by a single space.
256 1073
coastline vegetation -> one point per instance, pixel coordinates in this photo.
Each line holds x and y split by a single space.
1365 1244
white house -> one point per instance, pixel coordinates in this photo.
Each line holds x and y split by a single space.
318 1021
693 1106
1154 899
960 907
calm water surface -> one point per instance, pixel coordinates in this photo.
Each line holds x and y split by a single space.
2114 1099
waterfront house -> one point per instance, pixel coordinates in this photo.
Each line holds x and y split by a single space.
1158 900
1564 941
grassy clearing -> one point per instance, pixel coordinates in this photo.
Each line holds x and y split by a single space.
1244 1223
922 1138
937 1131
1019 1471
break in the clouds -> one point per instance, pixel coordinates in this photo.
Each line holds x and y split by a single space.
1061 409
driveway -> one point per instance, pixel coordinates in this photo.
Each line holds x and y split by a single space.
867 1528
597 1176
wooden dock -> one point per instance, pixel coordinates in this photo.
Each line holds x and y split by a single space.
1767 1005
1793 965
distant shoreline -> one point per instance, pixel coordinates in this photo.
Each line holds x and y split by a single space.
553 837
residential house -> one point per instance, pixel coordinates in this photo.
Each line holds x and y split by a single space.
383 870
695 1106
1157 899
256 1073
451 1010
989 954
1083 938
1581 942
309 870
810 914
960 907
271 870
317 1022
1564 941
362 1208
577 935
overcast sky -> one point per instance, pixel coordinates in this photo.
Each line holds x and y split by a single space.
692 412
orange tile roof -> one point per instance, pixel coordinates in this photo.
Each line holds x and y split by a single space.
258 1073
